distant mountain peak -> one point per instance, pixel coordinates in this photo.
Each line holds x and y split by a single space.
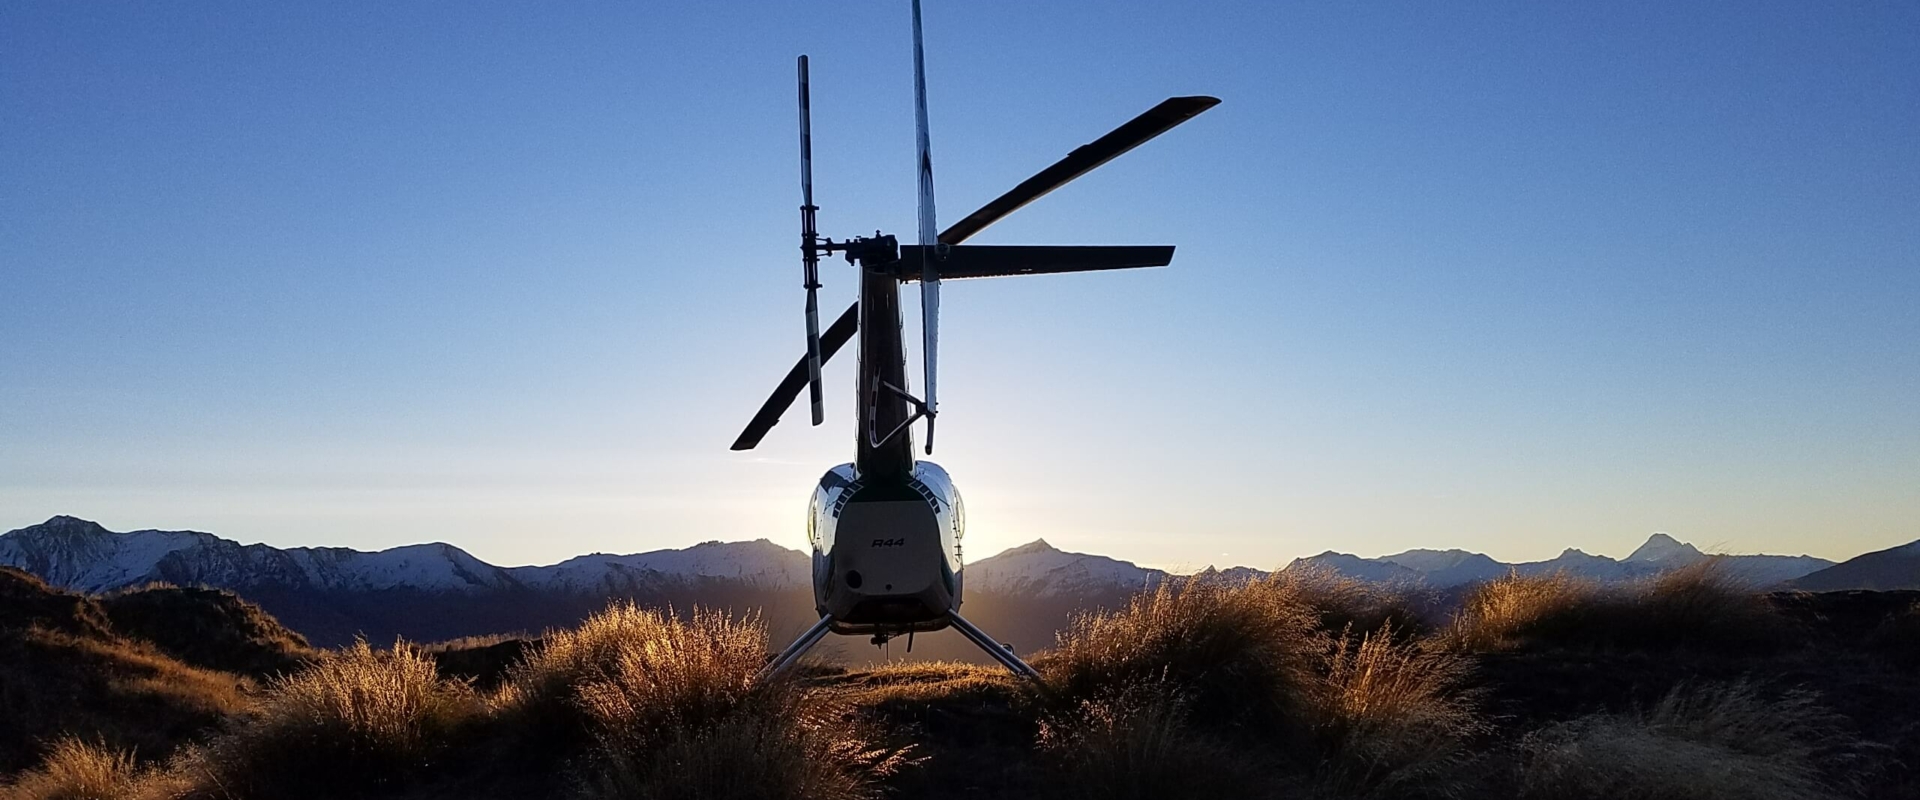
1033 547
1661 547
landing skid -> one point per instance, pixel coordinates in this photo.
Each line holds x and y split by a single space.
813 635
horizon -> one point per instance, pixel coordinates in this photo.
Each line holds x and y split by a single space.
1509 278
1173 569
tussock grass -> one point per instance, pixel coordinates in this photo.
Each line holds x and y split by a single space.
1499 613
1198 683
1716 742
359 722
1392 718
1142 745
1237 656
1341 602
680 713
76 770
1701 606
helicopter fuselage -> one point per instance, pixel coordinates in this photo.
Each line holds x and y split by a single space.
886 529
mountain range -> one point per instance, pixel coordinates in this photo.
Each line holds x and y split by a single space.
432 591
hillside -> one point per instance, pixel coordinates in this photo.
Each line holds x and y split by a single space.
1185 691
1890 569
69 666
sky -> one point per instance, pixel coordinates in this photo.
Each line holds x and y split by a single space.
1510 277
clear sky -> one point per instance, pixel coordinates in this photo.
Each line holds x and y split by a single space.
1512 277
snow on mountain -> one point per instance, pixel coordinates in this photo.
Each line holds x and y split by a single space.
1446 568
1578 563
1352 566
78 554
1666 551
760 562
1231 576
1040 568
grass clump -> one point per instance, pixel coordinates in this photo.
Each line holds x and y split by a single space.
1701 606
1142 745
76 770
1340 602
1502 612
359 722
680 713
1391 718
1238 656
1716 742
1201 690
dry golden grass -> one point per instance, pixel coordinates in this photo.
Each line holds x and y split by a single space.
1196 684
1700 606
1341 602
1391 719
76 770
1720 742
1497 614
1238 656
359 721
680 713
927 681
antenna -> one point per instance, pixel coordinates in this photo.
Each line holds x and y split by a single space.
929 235
810 249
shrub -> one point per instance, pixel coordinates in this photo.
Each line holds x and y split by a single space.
1721 742
1238 656
680 713
1391 718
360 721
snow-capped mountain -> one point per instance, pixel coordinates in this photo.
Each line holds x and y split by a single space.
1578 563
1666 551
1449 567
760 562
78 554
1372 570
1040 568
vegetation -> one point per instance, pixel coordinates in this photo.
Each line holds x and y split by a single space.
1699 606
1718 742
1301 685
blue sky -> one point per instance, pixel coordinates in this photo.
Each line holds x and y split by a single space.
1505 276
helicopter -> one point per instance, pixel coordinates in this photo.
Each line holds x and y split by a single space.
886 529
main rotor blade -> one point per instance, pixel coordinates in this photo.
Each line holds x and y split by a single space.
1135 132
961 261
929 278
809 255
783 396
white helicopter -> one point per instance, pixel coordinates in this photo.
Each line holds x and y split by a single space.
886 529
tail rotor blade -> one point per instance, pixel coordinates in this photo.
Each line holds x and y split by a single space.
929 273
835 337
810 255
1135 132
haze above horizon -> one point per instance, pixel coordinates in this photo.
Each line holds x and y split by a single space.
1510 278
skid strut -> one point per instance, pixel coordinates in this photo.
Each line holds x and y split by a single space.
813 635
